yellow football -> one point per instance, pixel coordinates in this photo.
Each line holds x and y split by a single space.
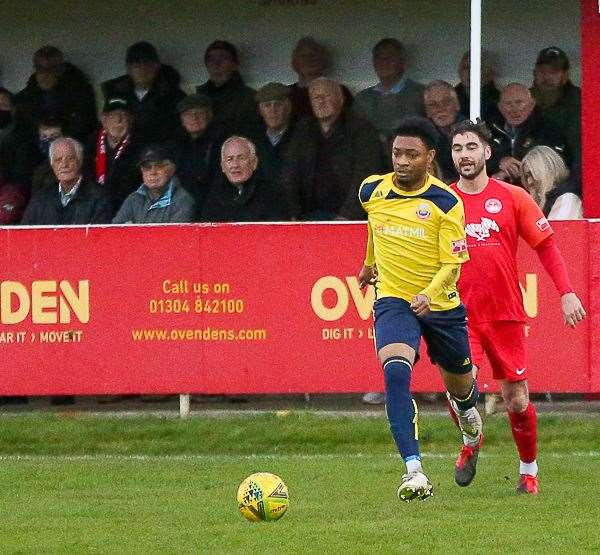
263 497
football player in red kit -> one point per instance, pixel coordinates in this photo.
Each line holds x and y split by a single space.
497 214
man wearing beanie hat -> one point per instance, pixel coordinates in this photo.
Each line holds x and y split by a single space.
557 98
197 146
275 108
152 90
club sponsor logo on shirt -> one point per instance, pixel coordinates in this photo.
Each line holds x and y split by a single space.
543 224
459 246
423 211
481 231
400 231
493 205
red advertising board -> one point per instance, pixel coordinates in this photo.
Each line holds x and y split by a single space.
240 308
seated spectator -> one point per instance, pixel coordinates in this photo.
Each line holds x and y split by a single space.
310 59
232 101
160 199
197 147
17 149
522 128
443 109
489 92
395 96
242 193
331 153
49 129
151 89
557 98
72 199
112 153
272 144
556 192
59 89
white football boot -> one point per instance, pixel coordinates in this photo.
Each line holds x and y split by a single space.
415 485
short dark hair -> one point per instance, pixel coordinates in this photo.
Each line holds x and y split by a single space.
222 45
393 43
478 127
50 121
422 128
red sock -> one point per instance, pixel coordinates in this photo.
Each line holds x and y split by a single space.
524 430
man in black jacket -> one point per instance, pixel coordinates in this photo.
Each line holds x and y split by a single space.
73 200
522 128
58 89
242 193
152 90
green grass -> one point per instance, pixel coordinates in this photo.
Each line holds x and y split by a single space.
341 473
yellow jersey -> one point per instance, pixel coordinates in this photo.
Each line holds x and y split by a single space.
413 233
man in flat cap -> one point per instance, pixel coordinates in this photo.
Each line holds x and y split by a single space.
197 146
557 98
152 90
272 144
160 198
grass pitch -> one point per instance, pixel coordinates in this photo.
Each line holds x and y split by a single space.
158 485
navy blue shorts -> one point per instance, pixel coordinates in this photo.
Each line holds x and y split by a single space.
444 332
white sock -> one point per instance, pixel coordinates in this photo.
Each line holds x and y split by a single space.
470 421
528 468
414 465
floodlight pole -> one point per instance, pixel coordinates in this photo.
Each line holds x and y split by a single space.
475 85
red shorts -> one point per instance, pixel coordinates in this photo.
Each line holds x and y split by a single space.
504 344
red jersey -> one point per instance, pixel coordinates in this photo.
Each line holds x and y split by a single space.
495 219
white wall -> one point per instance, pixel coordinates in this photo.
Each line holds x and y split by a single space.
95 33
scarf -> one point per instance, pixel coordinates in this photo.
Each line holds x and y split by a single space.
102 157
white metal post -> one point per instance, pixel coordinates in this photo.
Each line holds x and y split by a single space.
475 88
184 405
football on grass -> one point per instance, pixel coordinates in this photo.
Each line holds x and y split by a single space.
262 497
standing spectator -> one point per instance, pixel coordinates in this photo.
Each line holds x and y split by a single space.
113 152
443 109
197 147
233 101
489 92
522 128
49 129
242 193
330 155
160 199
74 199
395 96
310 59
17 148
152 90
273 143
556 191
558 99
58 88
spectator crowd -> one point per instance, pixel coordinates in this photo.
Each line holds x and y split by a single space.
283 152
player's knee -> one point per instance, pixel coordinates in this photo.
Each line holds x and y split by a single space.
396 350
465 402
517 404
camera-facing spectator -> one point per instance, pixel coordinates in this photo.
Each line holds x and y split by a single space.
197 147
556 191
442 108
331 153
151 89
232 100
49 129
395 96
557 98
160 198
242 193
72 199
273 143
522 128
59 89
113 152
310 60
490 94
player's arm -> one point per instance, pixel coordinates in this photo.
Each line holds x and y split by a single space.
446 276
536 230
368 273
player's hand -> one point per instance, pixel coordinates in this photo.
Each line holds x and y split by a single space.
420 304
367 276
511 166
573 311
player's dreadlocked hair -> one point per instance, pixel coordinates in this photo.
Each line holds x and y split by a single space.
415 126
478 128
